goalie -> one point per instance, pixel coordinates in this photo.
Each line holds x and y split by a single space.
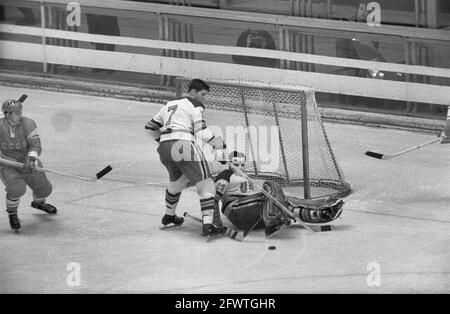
247 208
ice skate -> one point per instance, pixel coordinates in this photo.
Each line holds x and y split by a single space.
212 232
172 221
216 230
274 229
14 221
50 209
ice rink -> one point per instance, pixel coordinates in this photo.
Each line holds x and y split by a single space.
393 236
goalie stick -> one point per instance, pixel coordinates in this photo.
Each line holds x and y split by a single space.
98 175
247 231
230 233
387 156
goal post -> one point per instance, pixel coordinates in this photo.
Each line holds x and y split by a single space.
280 130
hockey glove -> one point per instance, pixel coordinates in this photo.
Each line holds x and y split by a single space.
221 156
32 163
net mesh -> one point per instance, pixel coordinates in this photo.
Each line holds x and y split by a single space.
264 121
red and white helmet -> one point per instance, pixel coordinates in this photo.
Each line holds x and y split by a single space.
12 105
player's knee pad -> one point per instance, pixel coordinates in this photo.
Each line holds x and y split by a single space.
206 188
243 212
16 188
275 190
43 189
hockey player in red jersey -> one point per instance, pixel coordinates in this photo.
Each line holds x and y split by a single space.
20 142
177 127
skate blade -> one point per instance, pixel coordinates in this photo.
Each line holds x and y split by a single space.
49 213
213 238
170 226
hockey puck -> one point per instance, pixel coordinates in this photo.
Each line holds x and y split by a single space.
103 172
272 247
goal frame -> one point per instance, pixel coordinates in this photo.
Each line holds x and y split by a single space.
343 188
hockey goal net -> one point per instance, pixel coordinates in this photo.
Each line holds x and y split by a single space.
280 130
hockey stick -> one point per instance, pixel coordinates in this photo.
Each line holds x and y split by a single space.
22 98
230 233
98 175
246 232
387 156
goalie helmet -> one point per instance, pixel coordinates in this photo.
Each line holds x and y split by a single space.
238 159
321 210
12 105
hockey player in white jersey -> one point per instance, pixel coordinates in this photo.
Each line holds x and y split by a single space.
177 126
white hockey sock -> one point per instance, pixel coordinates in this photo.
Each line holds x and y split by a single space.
207 206
12 205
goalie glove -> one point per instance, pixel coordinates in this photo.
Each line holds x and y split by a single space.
321 210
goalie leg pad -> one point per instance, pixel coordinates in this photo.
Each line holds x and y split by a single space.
243 212
272 214
322 210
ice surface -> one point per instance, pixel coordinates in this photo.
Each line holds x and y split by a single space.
398 216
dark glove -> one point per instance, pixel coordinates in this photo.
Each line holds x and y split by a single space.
32 163
221 156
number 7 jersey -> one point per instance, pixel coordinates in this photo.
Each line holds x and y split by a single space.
180 119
